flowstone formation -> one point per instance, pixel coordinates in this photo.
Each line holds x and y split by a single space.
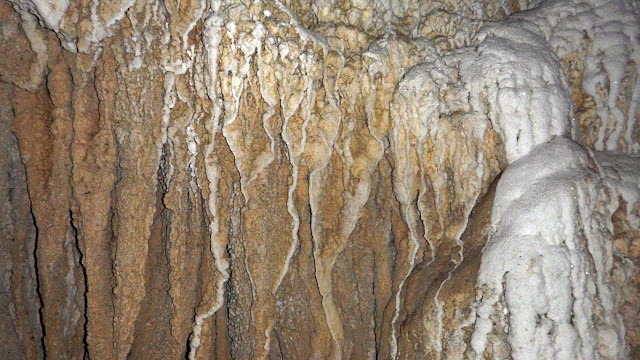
319 179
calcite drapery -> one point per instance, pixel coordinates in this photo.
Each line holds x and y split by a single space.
267 179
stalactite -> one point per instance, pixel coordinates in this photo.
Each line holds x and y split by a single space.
281 179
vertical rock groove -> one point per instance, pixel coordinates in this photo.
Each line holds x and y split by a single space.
319 179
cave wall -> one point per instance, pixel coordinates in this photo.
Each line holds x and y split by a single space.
298 179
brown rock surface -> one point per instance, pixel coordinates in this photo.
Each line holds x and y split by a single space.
288 179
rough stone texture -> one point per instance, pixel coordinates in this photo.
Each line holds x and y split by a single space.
285 180
548 267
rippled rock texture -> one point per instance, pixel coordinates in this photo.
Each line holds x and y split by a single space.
319 179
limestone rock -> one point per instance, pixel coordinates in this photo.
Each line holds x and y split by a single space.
314 179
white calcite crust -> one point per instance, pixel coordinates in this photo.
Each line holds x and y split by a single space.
351 106
547 264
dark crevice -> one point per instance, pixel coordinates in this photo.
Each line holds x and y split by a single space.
74 230
113 224
277 336
37 277
314 271
83 268
164 181
227 305
36 240
188 346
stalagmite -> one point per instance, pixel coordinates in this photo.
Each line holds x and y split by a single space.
319 179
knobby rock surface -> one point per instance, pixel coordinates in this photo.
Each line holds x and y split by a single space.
315 179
